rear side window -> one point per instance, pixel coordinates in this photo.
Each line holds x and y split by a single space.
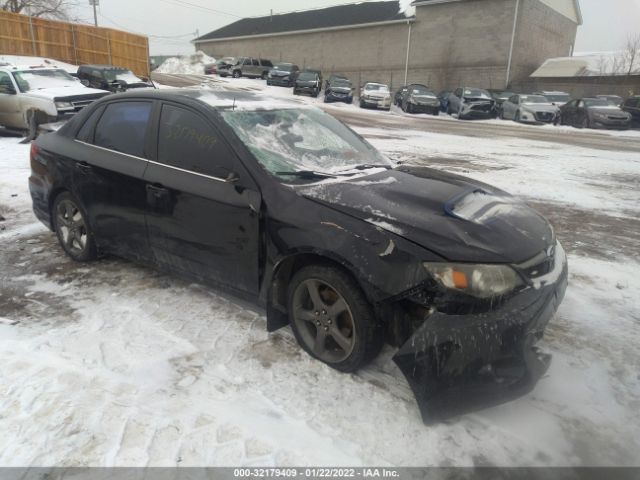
187 141
123 127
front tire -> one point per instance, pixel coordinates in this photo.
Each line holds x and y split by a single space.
331 318
72 228
237 74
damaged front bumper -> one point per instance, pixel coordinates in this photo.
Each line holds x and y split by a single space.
457 363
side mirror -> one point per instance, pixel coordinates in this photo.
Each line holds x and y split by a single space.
84 82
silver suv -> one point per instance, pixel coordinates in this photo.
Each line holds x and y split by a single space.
247 67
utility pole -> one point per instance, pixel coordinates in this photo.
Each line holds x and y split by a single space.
95 4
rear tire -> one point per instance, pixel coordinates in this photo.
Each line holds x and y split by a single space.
332 319
72 228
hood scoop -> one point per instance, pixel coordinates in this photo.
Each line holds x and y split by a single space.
482 207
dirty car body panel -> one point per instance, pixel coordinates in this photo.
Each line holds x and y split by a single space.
238 225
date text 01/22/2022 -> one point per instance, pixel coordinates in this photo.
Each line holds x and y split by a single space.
315 473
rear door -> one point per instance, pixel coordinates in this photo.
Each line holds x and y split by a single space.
110 158
203 206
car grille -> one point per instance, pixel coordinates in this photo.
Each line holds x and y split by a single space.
544 116
481 107
81 101
617 118
540 265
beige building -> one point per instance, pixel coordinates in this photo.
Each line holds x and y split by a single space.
446 43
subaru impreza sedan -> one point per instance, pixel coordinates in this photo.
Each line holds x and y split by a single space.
287 205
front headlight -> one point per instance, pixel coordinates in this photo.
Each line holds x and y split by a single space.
64 106
600 115
480 281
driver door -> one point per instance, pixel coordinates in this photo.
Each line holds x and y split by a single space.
203 209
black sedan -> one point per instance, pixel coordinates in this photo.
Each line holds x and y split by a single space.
308 83
419 99
594 113
283 75
338 89
287 205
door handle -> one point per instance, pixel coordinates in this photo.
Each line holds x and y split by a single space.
84 167
157 191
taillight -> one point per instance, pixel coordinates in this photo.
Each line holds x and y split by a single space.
34 151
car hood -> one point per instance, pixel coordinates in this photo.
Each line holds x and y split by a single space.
280 73
340 89
425 99
610 110
457 218
540 107
306 83
376 94
57 92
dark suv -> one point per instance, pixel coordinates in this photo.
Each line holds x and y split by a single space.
308 82
113 79
247 67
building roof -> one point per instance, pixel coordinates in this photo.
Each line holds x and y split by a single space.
569 8
339 16
592 65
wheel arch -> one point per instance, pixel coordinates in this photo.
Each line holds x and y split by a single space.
283 271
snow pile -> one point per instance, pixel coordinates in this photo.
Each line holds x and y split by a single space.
189 64
40 61
406 8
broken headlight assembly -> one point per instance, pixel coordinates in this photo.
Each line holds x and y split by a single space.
480 281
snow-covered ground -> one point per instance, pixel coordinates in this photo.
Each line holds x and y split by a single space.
111 363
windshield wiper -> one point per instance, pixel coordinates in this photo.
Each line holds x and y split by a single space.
366 166
306 174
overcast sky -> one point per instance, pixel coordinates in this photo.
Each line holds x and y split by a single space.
607 23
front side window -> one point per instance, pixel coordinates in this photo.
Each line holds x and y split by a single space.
187 141
123 127
6 85
290 140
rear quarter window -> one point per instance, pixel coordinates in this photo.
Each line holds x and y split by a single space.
123 127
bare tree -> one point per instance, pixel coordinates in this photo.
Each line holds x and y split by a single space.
58 9
631 54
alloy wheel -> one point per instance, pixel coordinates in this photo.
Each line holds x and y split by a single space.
324 320
72 227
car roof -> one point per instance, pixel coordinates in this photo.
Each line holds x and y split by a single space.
216 99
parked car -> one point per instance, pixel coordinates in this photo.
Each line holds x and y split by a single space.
338 89
397 97
459 276
632 107
376 95
32 96
594 113
557 98
333 77
500 96
283 74
308 82
247 67
614 100
113 79
529 109
213 68
317 72
443 96
469 103
419 99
